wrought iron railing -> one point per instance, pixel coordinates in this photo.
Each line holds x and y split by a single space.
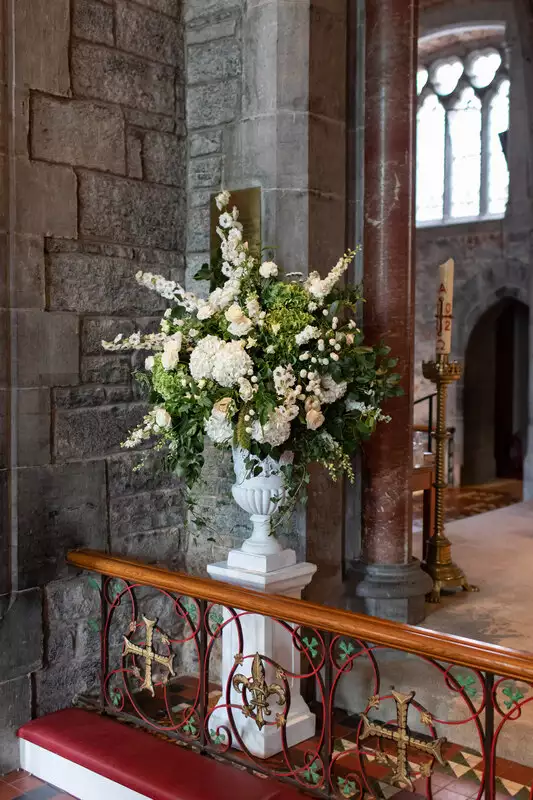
456 712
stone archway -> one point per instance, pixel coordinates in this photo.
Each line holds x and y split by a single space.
495 393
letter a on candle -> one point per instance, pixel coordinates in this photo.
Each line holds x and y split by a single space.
445 307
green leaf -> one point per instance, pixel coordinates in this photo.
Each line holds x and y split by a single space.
217 738
190 727
348 788
93 583
94 625
468 684
514 695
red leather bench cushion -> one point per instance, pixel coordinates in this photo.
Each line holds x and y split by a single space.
148 765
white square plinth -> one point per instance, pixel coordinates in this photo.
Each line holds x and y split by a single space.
273 642
253 562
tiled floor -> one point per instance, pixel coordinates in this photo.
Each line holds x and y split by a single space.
18 785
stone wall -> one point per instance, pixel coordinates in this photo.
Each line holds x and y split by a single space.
92 189
492 259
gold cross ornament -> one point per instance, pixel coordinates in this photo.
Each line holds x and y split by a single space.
404 740
150 656
258 709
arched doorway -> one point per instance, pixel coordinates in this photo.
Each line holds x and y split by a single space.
496 394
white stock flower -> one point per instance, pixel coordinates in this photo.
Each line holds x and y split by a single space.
225 220
232 363
284 379
171 351
308 333
162 418
203 357
320 287
222 199
268 269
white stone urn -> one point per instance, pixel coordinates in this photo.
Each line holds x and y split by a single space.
259 490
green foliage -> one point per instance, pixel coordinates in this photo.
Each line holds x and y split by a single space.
312 646
468 684
312 773
346 650
513 694
348 788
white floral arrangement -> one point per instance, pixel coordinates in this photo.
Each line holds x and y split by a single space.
272 363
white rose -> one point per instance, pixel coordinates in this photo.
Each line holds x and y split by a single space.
171 351
246 390
205 311
240 324
149 363
268 270
252 306
162 418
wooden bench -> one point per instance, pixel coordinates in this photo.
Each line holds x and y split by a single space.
96 758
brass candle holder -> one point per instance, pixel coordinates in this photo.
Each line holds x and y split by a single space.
439 564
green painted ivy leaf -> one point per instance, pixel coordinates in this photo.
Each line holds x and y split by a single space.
312 646
514 694
93 583
346 649
312 774
468 684
217 738
115 697
347 787
94 625
216 617
190 727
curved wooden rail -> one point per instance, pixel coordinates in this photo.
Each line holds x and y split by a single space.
419 641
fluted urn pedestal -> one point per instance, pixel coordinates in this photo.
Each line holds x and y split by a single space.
263 565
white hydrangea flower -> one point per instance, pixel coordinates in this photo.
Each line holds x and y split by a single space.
232 363
305 336
276 431
219 428
268 269
171 351
203 357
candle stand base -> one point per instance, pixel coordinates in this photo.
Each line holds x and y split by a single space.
444 572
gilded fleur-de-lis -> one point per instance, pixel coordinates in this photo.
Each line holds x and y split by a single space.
257 706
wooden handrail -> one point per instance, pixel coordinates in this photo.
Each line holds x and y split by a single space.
419 641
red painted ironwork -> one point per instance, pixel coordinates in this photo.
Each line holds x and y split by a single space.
346 681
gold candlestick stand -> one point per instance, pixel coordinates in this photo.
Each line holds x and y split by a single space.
439 564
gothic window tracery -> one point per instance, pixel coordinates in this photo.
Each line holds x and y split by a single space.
463 110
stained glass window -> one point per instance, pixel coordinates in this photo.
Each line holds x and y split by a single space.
463 111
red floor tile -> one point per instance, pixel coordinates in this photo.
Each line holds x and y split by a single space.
14 776
27 783
8 792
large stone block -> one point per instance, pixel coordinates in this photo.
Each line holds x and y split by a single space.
42 44
106 369
46 202
93 21
80 397
92 284
15 702
206 30
98 329
164 547
164 158
33 429
198 230
145 512
126 477
212 61
213 104
129 211
72 599
48 348
59 685
148 33
78 133
21 629
205 172
92 432
120 78
205 143
156 122
60 507
170 7
27 290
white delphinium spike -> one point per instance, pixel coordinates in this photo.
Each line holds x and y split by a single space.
151 341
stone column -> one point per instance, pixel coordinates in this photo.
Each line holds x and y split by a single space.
388 581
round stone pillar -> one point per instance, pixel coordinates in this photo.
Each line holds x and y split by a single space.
387 581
